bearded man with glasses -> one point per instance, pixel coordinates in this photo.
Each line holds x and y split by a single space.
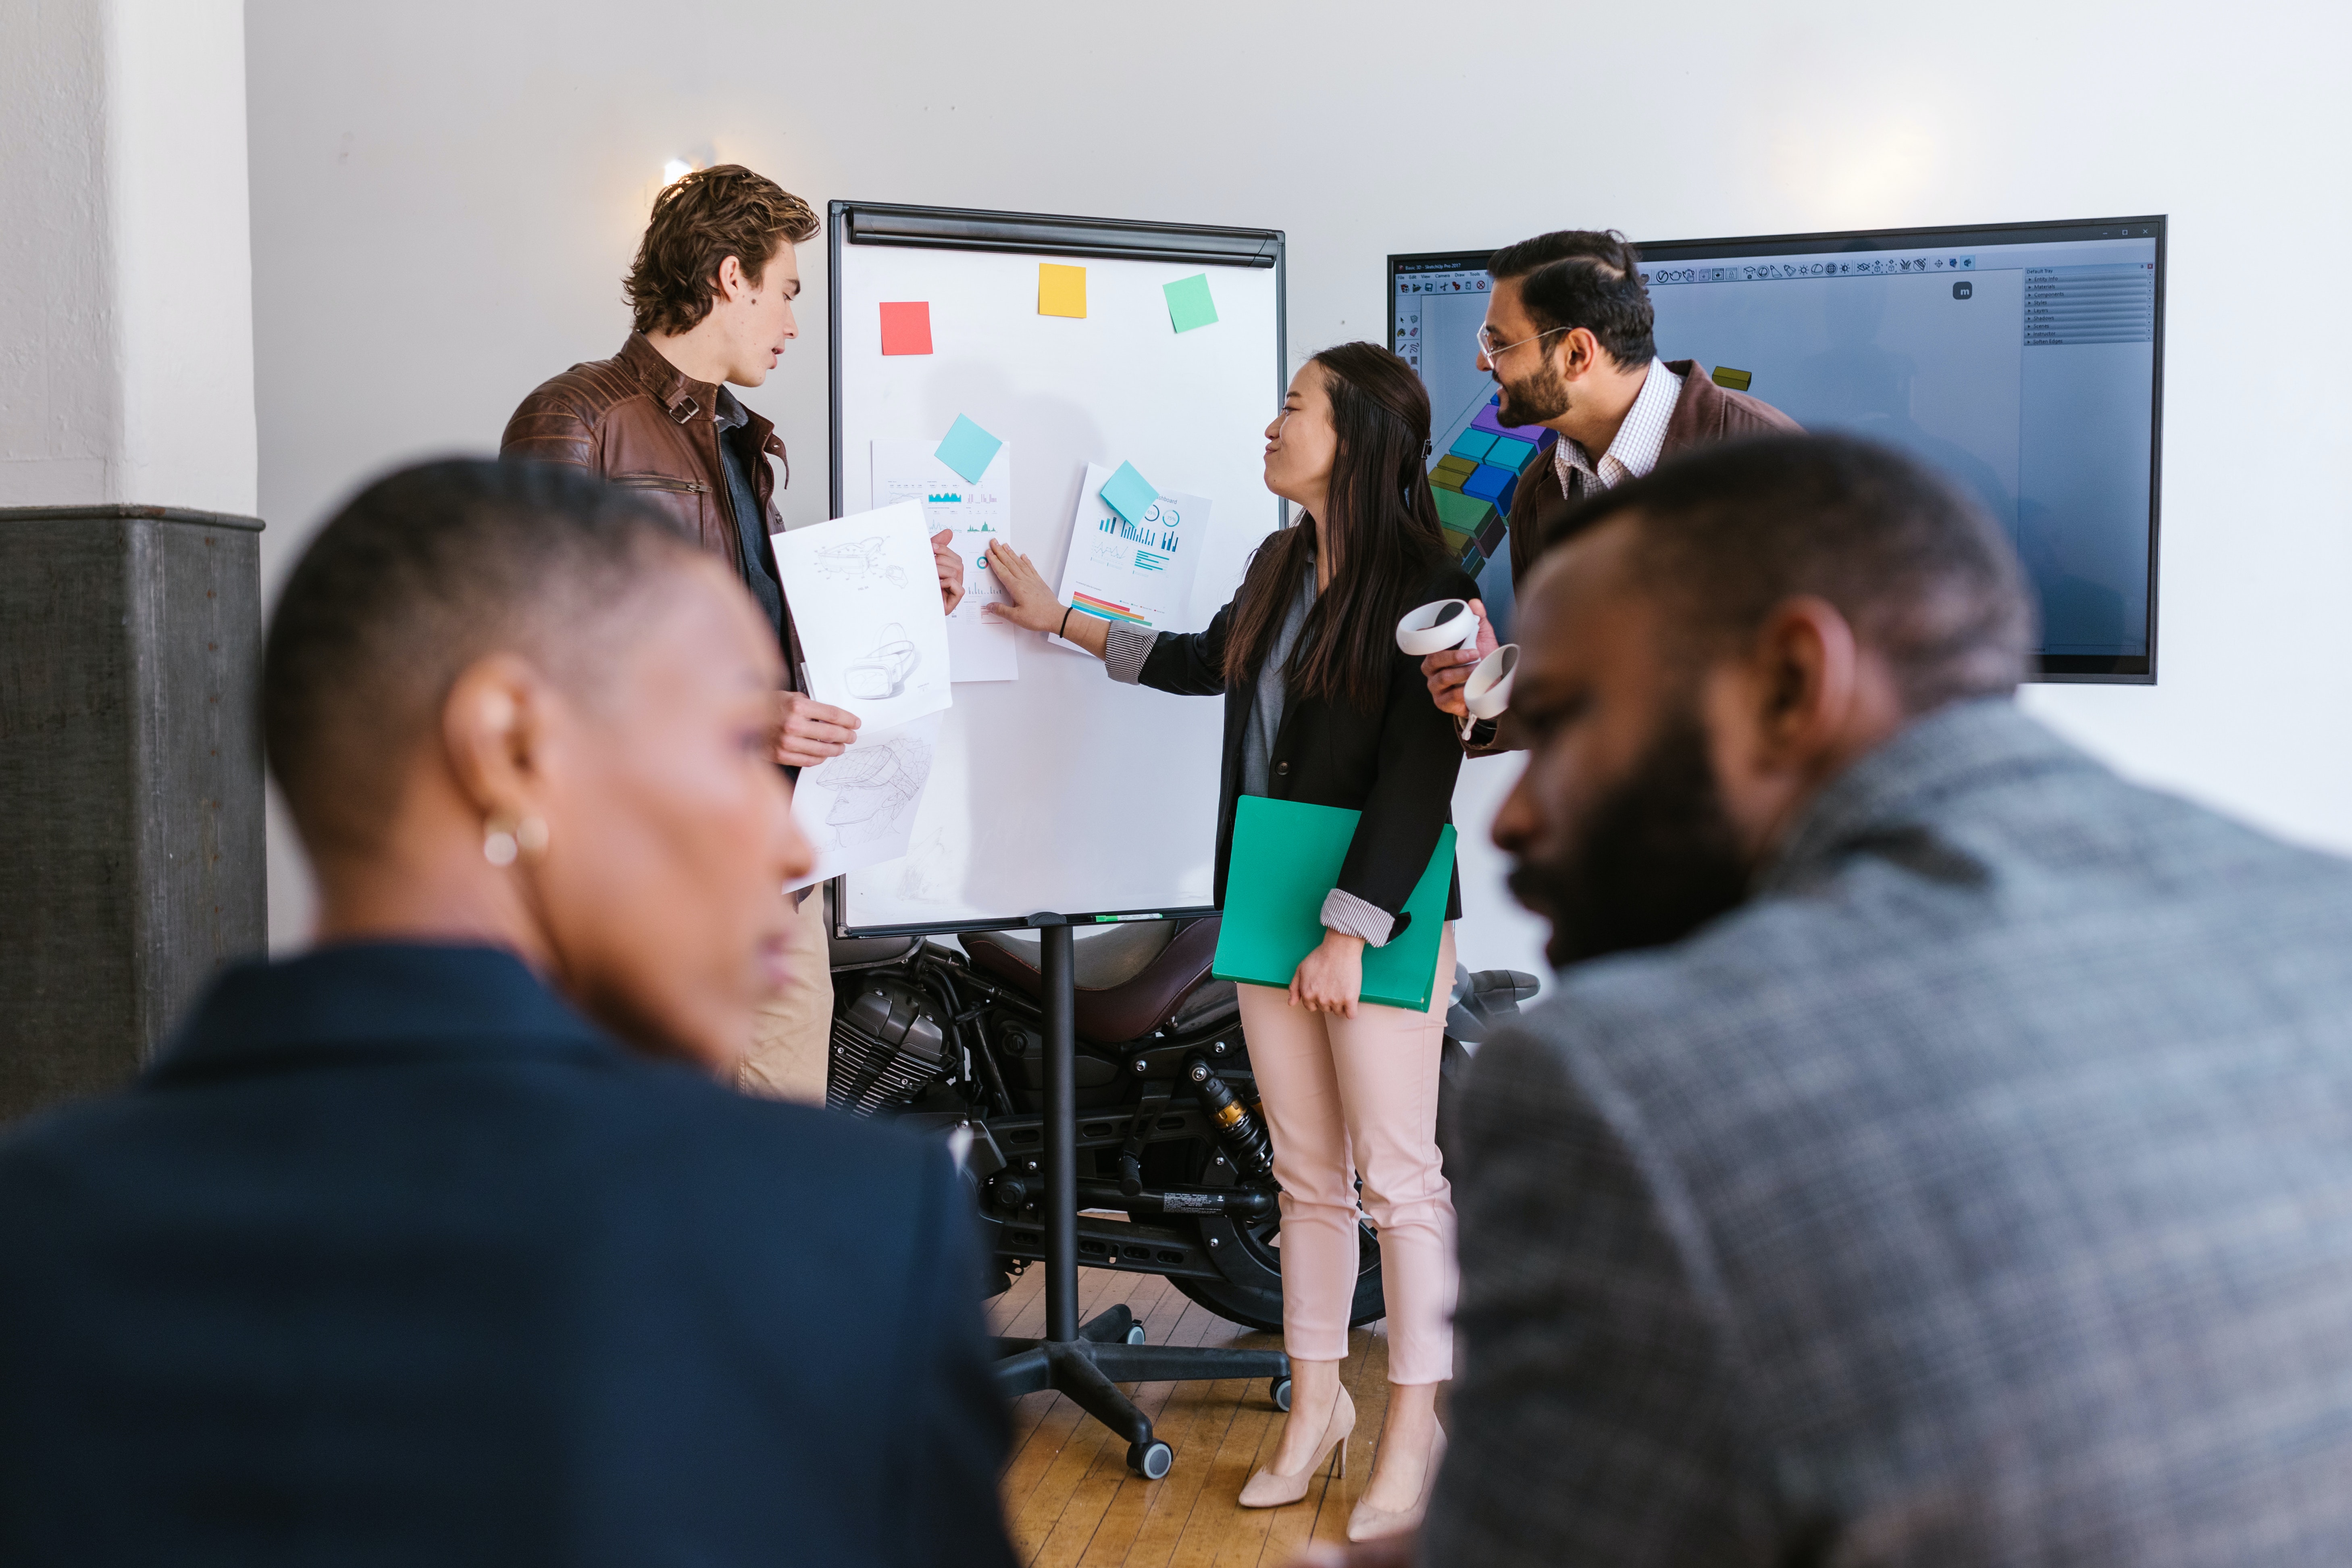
1567 339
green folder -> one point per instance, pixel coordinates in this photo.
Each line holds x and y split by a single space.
1286 856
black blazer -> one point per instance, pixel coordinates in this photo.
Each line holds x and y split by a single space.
1396 764
393 1258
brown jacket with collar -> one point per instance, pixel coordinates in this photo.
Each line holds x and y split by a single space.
1540 513
641 422
1703 413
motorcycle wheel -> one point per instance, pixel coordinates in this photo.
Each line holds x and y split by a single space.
1256 1298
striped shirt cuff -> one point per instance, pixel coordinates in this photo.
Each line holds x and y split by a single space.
1351 916
1125 649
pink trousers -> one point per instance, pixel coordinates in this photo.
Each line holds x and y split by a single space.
1359 1096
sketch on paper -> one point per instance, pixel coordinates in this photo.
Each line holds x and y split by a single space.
861 560
874 787
858 809
887 668
980 513
865 598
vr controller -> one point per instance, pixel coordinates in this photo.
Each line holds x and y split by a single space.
1452 623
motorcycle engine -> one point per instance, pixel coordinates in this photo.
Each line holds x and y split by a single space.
888 1047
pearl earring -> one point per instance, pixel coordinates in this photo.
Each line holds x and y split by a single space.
506 839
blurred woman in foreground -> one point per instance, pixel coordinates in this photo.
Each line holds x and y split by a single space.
444 1242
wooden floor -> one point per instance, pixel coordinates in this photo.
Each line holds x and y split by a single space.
1069 1498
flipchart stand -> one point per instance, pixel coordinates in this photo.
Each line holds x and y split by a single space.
1088 1362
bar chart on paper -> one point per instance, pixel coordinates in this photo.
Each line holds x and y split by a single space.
1140 571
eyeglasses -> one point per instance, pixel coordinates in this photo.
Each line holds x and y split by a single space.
1495 351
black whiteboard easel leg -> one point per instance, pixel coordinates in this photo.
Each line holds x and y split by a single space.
1088 1362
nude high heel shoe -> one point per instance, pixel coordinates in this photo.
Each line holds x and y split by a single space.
1269 1487
1370 1524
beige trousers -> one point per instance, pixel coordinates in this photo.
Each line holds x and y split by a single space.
792 1031
1349 1096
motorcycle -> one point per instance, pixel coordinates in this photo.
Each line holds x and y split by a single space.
1176 1163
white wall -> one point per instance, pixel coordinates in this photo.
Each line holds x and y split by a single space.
446 194
126 332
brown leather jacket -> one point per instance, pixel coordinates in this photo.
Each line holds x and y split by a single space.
640 422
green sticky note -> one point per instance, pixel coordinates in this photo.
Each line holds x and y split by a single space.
1188 304
1287 858
968 449
1128 493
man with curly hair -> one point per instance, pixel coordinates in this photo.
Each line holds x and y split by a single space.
712 290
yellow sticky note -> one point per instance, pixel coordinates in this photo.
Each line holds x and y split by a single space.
1061 291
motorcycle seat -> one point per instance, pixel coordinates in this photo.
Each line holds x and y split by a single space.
1128 981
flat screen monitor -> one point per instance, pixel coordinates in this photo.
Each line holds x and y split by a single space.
2025 361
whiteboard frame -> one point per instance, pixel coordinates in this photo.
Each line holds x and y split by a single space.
972 230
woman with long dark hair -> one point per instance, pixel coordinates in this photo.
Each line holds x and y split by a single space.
1322 707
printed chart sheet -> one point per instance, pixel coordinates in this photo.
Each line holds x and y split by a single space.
1138 573
980 647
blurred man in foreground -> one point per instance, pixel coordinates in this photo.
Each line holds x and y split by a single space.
445 1242
1938 1151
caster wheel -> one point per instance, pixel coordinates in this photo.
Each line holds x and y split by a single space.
1282 1393
1151 1460
1135 1334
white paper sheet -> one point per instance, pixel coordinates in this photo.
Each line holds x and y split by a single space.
1138 573
858 809
865 602
980 647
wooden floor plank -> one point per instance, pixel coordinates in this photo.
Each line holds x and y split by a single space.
1071 1502
1188 1423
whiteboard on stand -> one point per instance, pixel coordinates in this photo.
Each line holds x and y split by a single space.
1060 791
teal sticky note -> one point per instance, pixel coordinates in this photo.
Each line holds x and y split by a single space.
1188 304
968 449
1128 493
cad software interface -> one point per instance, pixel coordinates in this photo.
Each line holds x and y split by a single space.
2022 362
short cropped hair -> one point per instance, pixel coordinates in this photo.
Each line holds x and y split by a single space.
1926 580
424 572
699 220
1584 278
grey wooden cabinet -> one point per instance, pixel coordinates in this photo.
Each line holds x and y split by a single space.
130 794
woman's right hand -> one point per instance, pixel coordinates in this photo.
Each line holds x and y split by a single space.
1032 604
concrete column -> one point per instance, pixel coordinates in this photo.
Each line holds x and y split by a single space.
130 595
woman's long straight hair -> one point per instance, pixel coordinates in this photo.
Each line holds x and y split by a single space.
1381 531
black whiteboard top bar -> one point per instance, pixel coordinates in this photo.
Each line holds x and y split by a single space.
949 229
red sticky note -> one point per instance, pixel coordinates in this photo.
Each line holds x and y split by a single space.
907 327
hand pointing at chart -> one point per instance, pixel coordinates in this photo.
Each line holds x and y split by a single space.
1034 606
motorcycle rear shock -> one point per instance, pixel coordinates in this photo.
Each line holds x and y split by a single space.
1241 1132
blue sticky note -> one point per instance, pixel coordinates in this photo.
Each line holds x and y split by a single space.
1128 493
968 449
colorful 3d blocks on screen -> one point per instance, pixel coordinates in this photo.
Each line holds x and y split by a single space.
1493 484
1473 445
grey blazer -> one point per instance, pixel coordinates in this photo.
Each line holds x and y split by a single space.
1981 1192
